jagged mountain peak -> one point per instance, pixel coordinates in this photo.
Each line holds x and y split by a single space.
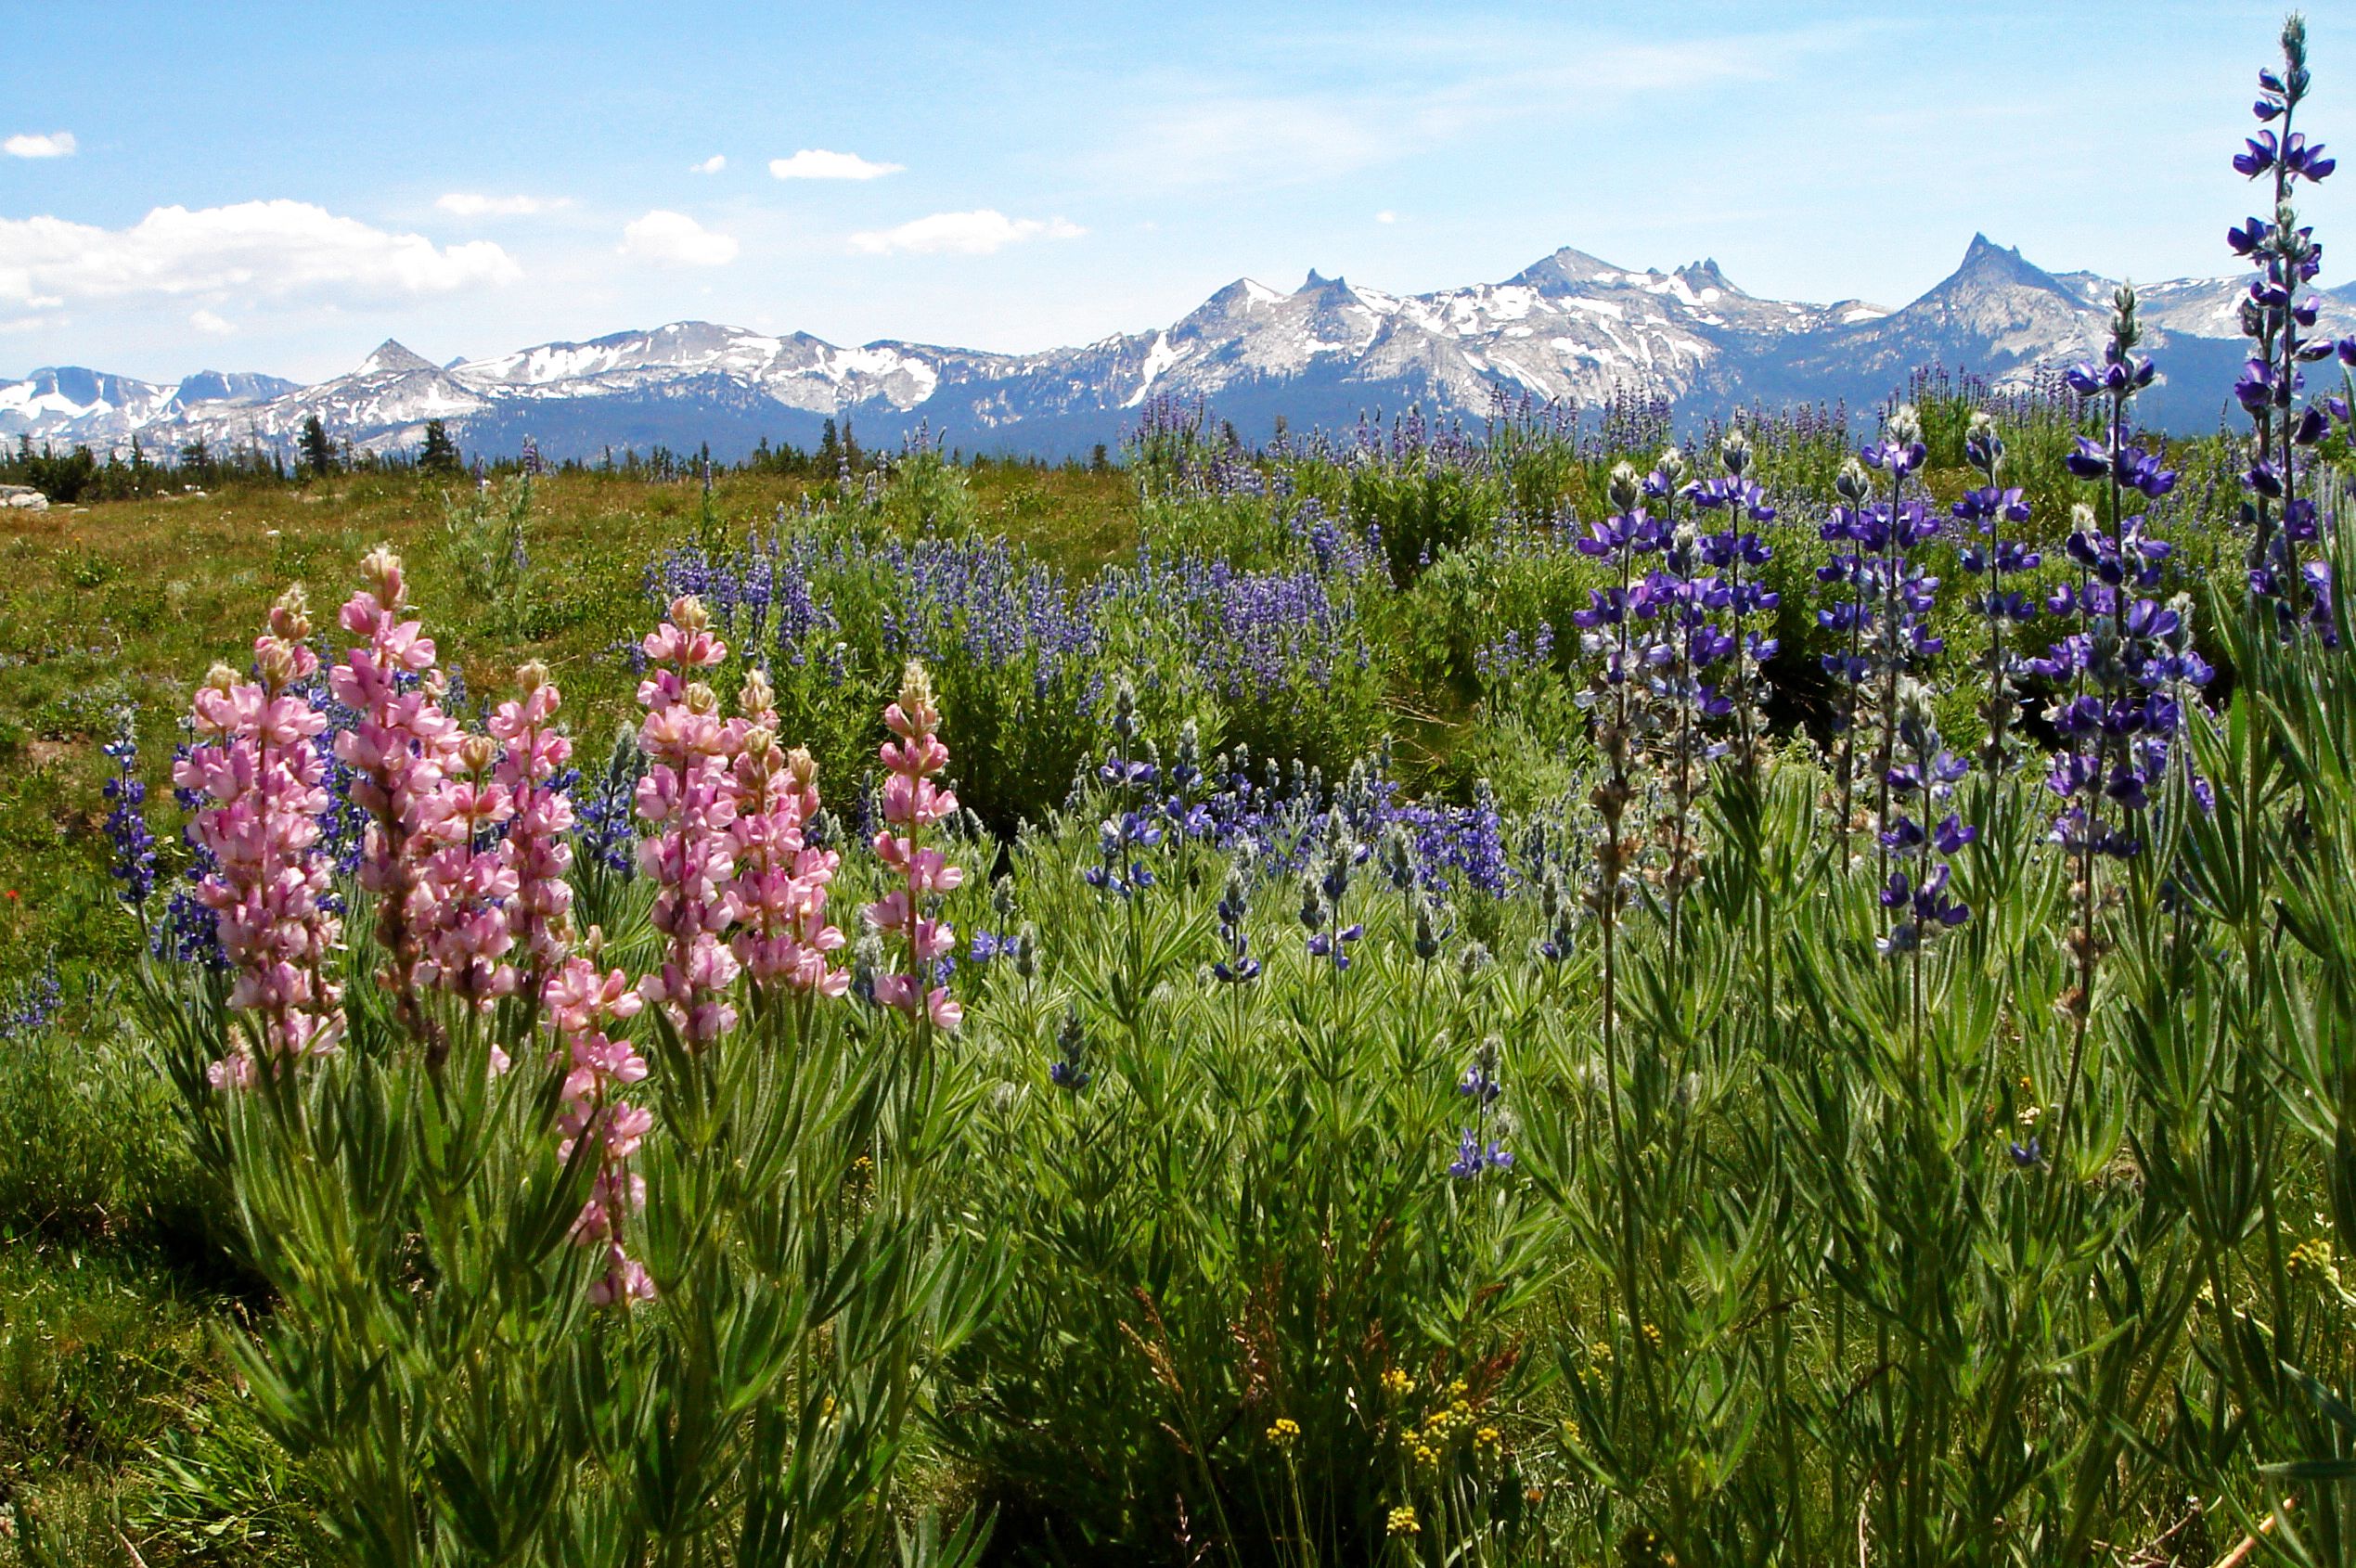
1997 313
1986 264
1704 274
1241 294
1563 271
393 359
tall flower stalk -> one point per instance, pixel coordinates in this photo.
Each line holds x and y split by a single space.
2274 315
257 766
399 749
784 940
1903 642
1687 603
1132 828
1729 550
914 804
2117 723
1992 559
1921 780
1325 886
1477 1148
537 850
1606 637
1235 965
1885 616
687 800
582 1007
465 882
132 847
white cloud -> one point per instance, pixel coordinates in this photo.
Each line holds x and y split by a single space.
812 163
210 325
249 248
27 324
676 239
711 165
973 234
471 204
1386 216
57 144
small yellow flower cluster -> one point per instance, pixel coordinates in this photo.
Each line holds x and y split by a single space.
1653 1335
1441 1427
1285 1431
1397 1383
1599 1353
1403 1521
2313 1257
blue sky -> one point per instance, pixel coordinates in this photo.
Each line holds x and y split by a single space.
279 187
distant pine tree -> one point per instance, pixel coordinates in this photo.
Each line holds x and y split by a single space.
441 453
318 453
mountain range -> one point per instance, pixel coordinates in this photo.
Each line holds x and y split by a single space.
1568 327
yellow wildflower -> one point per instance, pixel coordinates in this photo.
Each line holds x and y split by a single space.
1285 1430
1403 1521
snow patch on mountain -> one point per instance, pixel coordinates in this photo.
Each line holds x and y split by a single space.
1160 358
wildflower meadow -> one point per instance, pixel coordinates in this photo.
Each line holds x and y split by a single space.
1602 988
